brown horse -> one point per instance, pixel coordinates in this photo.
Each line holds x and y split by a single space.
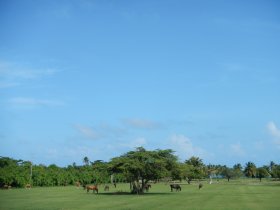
78 184
147 187
7 187
106 188
93 188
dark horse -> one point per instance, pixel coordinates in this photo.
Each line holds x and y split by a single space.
176 187
92 187
147 187
106 188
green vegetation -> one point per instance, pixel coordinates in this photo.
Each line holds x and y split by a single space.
135 167
52 187
236 194
141 166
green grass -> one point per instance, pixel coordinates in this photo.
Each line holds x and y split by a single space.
239 194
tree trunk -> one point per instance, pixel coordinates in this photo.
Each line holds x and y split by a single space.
135 187
143 185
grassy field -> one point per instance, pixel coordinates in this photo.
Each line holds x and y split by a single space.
240 194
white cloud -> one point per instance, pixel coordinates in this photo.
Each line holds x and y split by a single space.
184 147
237 150
141 123
24 102
138 142
87 132
8 84
13 74
274 132
12 70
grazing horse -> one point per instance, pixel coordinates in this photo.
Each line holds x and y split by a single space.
7 187
200 185
106 188
28 186
147 187
78 184
176 187
93 188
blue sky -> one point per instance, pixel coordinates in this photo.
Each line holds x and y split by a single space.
99 78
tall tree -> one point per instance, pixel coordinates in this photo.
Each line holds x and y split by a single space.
86 161
228 173
141 166
261 173
250 169
237 168
271 166
195 161
276 171
100 170
194 169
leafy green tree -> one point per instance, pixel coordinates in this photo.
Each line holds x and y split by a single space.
14 172
276 171
237 170
100 171
261 173
228 173
141 166
194 169
250 170
195 161
86 161
237 166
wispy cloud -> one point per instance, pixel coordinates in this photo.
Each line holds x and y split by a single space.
8 84
88 132
138 142
33 102
237 150
13 70
184 147
274 132
102 130
14 74
141 123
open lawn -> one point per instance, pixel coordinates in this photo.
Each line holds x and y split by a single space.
237 194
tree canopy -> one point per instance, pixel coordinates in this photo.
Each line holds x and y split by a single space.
137 167
141 166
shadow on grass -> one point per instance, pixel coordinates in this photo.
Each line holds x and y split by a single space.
141 194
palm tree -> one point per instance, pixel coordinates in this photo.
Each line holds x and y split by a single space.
86 161
271 165
237 167
195 161
250 170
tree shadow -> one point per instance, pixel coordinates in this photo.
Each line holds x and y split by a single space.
140 194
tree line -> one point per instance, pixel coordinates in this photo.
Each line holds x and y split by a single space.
137 167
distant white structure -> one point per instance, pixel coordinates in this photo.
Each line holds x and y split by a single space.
210 182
